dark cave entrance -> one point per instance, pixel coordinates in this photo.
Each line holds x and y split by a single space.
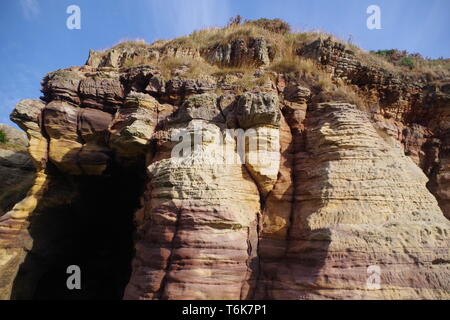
93 231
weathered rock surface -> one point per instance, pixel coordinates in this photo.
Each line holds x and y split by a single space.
14 136
239 52
197 237
16 168
417 109
247 192
359 202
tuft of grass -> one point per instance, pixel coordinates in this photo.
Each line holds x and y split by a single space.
249 82
189 67
224 71
373 60
3 137
127 44
346 93
308 71
341 93
294 64
313 76
407 62
414 62
135 61
273 25
384 53
299 39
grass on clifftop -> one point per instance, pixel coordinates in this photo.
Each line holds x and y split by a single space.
285 43
415 62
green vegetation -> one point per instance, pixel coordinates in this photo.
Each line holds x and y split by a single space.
407 62
3 137
384 53
415 62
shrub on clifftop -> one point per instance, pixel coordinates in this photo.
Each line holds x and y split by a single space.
273 25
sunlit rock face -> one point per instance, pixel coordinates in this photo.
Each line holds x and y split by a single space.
359 202
207 188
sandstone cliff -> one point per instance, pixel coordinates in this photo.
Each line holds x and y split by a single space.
352 173
16 168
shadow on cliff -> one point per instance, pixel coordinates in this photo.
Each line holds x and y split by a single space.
298 272
83 221
293 266
17 179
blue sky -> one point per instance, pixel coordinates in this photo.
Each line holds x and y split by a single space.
35 40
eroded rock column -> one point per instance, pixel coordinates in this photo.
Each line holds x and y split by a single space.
199 227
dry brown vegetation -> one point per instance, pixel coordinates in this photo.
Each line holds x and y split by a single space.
123 44
136 61
343 93
273 25
187 67
285 43
286 61
207 38
413 63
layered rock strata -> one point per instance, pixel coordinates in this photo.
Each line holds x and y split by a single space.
256 193
359 202
16 168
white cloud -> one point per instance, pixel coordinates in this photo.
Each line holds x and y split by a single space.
30 8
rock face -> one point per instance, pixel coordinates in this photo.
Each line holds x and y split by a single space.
238 52
258 192
359 202
14 136
412 105
16 168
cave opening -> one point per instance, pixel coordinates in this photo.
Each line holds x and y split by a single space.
94 231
